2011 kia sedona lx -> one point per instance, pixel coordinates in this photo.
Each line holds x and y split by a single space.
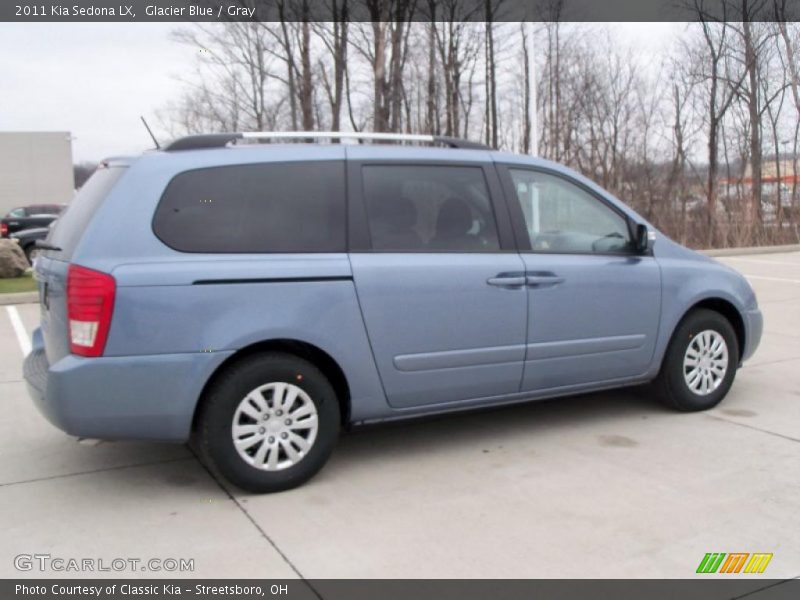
260 296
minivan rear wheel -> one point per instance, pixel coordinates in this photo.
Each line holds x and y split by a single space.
268 422
700 363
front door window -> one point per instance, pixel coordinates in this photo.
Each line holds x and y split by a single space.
563 218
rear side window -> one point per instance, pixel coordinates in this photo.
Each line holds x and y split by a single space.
427 208
72 223
274 207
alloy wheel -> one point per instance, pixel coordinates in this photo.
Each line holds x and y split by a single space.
274 426
705 362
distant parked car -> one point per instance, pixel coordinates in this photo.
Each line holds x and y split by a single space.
28 217
27 240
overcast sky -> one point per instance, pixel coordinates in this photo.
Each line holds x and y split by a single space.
95 79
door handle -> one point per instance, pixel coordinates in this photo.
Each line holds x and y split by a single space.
507 280
543 279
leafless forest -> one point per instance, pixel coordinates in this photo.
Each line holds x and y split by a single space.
703 140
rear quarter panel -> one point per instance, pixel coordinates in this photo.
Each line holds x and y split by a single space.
152 317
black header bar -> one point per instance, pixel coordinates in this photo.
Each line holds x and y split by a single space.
388 10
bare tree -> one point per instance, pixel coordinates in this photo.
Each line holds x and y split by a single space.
791 66
384 44
458 44
677 184
752 94
719 93
491 74
687 146
527 118
228 89
432 123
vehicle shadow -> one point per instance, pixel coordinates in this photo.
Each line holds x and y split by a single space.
363 448
486 427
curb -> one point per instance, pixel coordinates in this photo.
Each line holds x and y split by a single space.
753 250
19 298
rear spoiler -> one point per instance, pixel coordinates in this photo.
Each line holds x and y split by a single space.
115 161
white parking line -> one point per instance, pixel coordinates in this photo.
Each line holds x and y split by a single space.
763 262
19 330
773 278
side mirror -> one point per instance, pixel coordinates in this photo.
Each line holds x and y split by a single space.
643 239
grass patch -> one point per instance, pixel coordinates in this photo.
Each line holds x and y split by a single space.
13 285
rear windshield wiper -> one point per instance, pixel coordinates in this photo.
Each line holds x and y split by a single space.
46 246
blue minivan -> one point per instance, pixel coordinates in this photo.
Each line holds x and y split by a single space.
257 296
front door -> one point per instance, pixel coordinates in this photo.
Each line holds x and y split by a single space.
441 287
594 304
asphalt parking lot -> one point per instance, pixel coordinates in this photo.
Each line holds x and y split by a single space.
606 485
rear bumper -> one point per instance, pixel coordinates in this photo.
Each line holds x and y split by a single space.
754 327
120 398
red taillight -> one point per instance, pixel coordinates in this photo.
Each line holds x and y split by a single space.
3 229
90 304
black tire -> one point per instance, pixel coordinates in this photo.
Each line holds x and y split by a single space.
671 384
213 436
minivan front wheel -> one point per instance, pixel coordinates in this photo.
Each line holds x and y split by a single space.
268 423
700 363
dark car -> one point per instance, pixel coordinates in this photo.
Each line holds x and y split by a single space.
27 240
28 217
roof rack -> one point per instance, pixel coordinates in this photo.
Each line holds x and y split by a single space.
218 140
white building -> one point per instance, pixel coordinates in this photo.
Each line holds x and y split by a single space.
35 168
